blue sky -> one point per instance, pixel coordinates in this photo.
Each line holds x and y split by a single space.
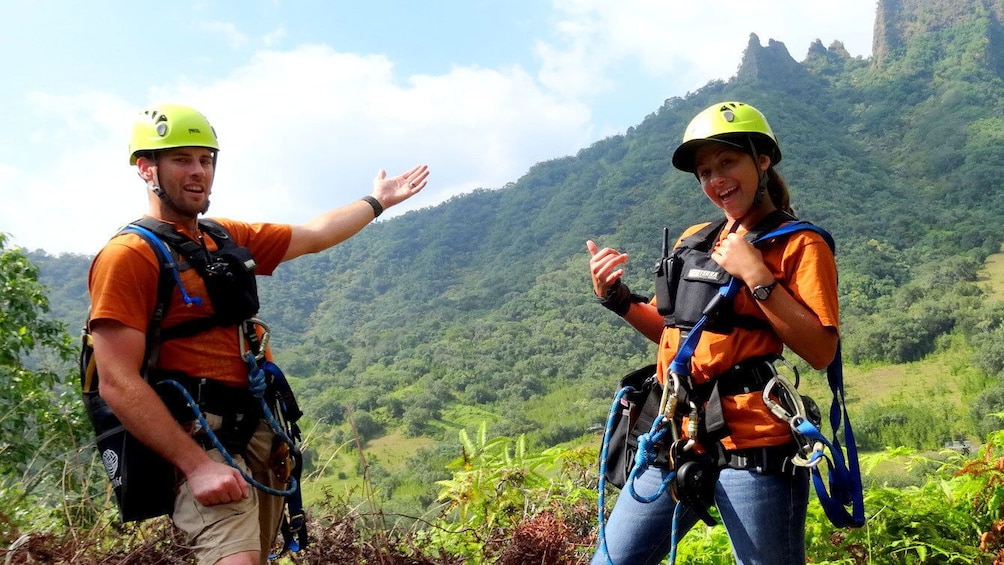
311 98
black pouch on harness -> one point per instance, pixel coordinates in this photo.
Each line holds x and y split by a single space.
687 287
638 410
143 482
228 272
230 281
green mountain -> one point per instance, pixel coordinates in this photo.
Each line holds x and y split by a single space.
481 308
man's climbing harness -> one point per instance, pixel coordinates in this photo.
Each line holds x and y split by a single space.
229 277
261 375
689 477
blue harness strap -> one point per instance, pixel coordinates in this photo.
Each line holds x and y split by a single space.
844 478
166 259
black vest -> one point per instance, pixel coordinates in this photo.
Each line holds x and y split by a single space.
687 280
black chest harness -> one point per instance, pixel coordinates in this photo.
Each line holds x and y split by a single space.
691 290
688 280
228 273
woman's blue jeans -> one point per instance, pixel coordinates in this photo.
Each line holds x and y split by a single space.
764 516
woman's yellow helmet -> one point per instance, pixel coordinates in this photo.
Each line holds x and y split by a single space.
168 126
732 123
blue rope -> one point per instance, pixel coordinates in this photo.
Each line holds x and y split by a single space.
674 539
646 443
647 453
194 406
604 448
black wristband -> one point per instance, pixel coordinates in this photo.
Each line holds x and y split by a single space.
377 207
619 299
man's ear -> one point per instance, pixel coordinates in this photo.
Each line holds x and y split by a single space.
146 169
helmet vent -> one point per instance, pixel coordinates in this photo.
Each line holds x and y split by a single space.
162 129
729 116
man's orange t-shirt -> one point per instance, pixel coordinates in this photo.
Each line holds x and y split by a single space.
803 264
123 287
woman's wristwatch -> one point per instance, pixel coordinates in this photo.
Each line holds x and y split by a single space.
762 292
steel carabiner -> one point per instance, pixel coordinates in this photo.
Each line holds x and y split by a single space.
261 339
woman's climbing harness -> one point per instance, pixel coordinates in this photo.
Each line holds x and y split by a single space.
685 478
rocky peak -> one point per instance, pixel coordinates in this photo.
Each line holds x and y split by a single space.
765 62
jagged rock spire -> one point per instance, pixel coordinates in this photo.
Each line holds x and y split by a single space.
766 62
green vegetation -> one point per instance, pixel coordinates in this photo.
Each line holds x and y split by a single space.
479 312
40 423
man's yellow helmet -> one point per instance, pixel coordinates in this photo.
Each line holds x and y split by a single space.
167 126
732 123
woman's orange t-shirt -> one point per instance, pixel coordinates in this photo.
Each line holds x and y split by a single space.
123 287
803 264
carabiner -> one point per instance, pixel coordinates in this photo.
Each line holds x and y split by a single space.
669 402
789 394
261 339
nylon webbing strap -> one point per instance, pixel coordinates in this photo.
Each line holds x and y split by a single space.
681 363
166 259
844 478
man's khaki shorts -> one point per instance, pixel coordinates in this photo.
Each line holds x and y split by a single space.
250 524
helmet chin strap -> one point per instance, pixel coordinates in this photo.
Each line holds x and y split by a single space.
153 184
156 189
762 178
761 175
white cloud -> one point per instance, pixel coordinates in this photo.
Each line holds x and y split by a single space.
227 30
274 37
78 199
305 129
301 132
690 43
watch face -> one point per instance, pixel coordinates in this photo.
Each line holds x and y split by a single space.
762 292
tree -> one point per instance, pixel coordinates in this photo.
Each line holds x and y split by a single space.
39 413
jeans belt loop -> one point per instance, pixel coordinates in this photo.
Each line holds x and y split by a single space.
200 392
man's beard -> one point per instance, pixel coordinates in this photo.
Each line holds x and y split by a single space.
184 212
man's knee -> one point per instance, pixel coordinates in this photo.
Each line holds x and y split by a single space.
242 558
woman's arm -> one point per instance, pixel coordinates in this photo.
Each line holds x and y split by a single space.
795 324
